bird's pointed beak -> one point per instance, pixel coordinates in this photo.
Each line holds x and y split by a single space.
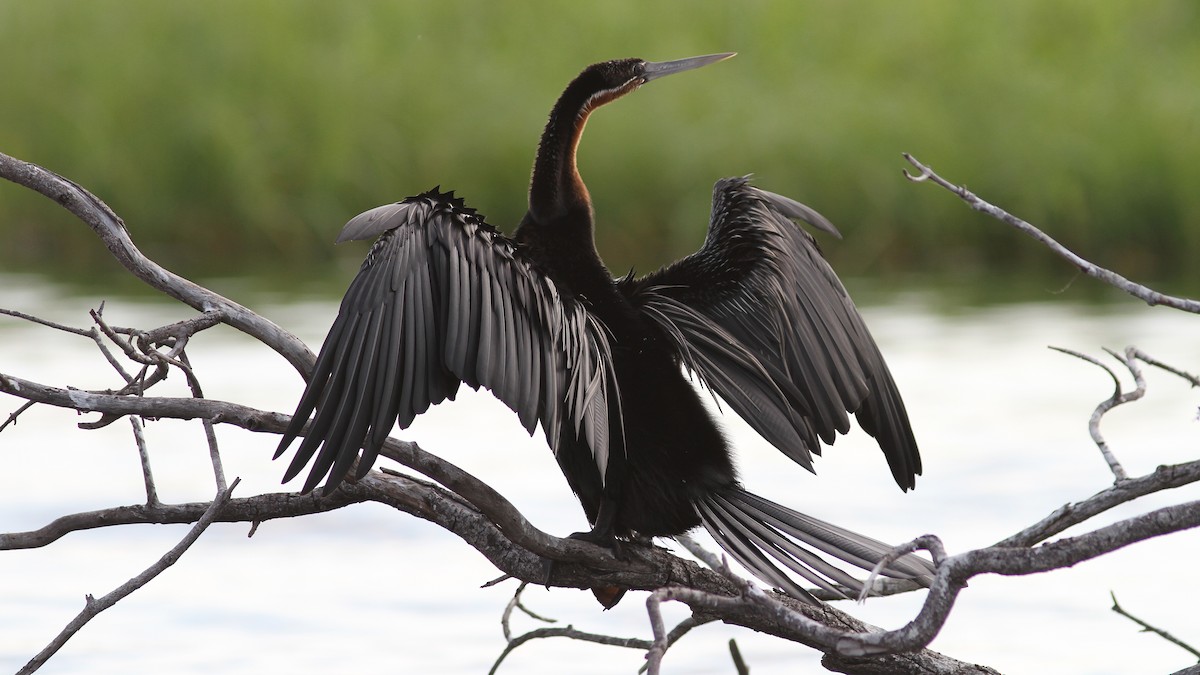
657 69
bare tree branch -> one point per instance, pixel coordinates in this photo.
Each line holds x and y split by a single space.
145 406
139 439
956 570
210 435
739 664
111 230
1117 398
515 603
1148 295
1069 515
1116 607
51 324
92 607
681 629
12 417
1146 358
566 632
254 509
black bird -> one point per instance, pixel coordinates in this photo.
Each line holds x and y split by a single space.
756 315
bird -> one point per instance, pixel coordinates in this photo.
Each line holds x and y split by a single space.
607 366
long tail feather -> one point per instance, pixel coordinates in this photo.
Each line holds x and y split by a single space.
756 531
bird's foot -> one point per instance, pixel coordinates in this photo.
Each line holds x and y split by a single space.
602 539
607 595
605 539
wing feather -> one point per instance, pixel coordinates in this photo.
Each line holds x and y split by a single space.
442 298
765 323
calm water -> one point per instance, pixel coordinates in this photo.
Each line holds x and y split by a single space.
1002 422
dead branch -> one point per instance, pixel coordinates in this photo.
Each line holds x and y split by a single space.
1116 607
210 435
258 508
111 229
1147 295
139 439
1118 398
515 603
1142 356
954 572
92 606
1069 515
570 632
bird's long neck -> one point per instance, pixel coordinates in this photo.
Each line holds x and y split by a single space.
556 190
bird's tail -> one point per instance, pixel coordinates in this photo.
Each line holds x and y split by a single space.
754 530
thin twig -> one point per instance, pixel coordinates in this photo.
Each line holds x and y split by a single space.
534 615
94 606
1116 607
682 628
571 632
567 632
716 564
44 322
125 345
739 664
12 417
506 615
112 360
487 584
1145 358
210 434
1111 402
144 455
515 603
1148 295
96 336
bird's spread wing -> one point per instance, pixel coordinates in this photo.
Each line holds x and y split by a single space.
758 294
443 298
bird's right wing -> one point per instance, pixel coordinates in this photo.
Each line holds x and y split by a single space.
760 301
444 298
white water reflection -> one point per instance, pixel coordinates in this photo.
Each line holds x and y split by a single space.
1001 421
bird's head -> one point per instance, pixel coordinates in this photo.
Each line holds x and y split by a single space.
610 80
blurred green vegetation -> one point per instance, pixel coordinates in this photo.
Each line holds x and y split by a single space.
235 138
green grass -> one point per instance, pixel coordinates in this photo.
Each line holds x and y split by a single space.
236 137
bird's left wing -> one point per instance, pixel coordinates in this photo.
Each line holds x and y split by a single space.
761 318
443 298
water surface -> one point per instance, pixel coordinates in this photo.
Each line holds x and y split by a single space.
1002 423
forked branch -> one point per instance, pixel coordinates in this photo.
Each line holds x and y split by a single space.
93 606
